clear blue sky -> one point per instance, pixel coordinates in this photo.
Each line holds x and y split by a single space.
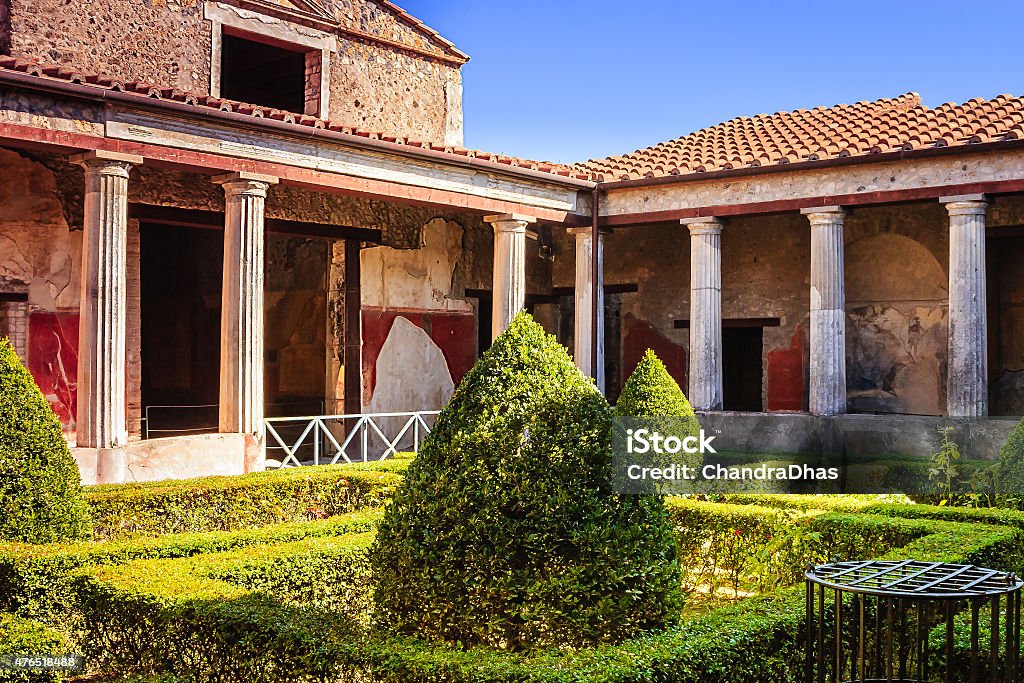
566 80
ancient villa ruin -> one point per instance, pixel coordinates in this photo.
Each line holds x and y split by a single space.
176 232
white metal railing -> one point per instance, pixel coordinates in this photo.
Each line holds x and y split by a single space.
363 435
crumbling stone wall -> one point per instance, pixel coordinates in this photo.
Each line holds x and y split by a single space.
40 261
897 297
5 27
396 93
165 42
169 43
295 304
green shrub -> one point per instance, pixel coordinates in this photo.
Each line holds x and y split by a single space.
289 602
247 501
1010 470
758 639
40 488
23 637
505 531
651 392
232 617
38 581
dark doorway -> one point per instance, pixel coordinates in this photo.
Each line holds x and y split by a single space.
742 368
180 305
261 74
484 313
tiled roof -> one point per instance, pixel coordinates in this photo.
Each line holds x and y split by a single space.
201 102
844 130
864 128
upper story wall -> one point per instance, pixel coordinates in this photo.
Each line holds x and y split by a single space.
381 70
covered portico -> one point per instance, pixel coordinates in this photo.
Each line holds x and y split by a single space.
396 185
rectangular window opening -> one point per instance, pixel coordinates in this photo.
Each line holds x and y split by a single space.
269 75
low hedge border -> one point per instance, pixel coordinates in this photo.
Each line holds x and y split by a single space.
235 503
179 614
759 639
776 543
261 613
21 636
35 580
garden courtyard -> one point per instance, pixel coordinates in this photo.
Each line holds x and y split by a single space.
500 552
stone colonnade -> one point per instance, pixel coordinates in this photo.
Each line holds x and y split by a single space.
967 388
102 405
509 287
102 334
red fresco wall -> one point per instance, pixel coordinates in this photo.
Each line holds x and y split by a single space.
454 334
640 336
53 361
786 374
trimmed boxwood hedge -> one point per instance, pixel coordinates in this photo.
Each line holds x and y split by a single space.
37 581
20 636
229 503
759 639
265 613
40 489
237 615
506 531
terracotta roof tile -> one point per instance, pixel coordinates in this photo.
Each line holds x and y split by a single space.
207 102
843 130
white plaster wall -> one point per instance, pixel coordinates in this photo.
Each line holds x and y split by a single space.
411 372
418 279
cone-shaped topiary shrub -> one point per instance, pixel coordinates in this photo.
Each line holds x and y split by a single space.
1010 469
654 395
505 531
651 392
40 489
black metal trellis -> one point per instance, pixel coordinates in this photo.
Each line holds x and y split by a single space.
881 622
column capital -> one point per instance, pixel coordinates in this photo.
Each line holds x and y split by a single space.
110 163
702 225
244 182
965 204
509 222
824 215
586 231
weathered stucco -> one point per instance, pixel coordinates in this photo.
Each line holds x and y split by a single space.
402 290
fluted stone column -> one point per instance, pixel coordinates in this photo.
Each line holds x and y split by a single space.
967 383
828 312
509 268
102 408
241 330
585 336
705 312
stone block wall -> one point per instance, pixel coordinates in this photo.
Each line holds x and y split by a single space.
170 43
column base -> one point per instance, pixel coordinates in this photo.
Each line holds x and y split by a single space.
111 465
255 453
